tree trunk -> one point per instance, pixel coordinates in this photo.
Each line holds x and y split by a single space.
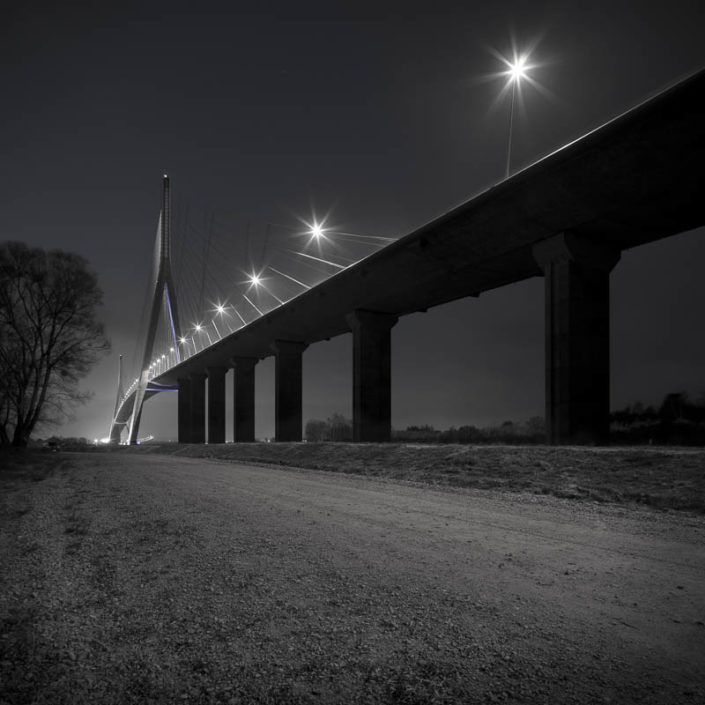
20 436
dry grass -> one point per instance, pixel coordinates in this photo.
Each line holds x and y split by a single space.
19 465
665 478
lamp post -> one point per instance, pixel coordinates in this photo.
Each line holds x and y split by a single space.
517 71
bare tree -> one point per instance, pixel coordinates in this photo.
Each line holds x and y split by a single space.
49 336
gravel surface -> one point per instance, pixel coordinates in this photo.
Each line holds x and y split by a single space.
152 579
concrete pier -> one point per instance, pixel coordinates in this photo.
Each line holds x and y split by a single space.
198 407
216 404
244 399
577 275
372 378
288 389
184 410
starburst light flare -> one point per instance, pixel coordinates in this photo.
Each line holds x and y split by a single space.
315 229
517 69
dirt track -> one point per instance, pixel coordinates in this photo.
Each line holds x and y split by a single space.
154 579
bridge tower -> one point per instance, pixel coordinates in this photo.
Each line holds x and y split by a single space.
115 426
163 292
120 390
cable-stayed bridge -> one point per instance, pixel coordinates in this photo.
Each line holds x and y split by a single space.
567 218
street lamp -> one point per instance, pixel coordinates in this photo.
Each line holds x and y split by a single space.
517 71
316 231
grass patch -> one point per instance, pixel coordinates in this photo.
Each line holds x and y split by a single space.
76 526
24 465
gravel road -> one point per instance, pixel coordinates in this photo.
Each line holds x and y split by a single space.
136 578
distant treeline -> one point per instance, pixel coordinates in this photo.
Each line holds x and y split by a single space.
334 428
677 421
338 428
531 431
62 442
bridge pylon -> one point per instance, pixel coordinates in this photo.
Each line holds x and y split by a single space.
163 292
115 426
120 390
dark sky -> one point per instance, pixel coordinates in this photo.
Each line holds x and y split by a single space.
374 111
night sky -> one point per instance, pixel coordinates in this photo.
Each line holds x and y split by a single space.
378 113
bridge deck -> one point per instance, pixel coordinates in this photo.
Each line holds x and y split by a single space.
634 180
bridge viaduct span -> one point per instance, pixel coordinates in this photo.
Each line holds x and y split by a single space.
566 218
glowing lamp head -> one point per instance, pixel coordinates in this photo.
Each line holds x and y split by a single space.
317 231
255 280
182 340
517 70
198 327
220 308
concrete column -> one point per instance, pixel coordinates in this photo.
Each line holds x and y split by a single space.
216 404
198 407
244 399
577 274
372 375
184 410
288 389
